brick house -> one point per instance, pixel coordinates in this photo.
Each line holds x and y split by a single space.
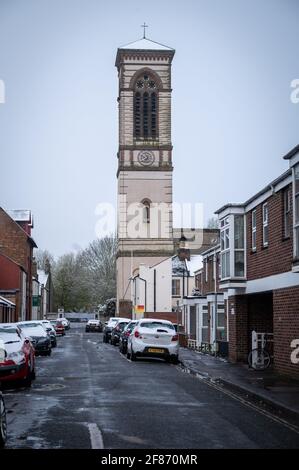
259 257
205 316
16 248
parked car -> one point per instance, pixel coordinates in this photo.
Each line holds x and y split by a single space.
117 330
93 325
58 326
66 323
123 339
38 336
3 423
109 327
154 338
17 355
49 328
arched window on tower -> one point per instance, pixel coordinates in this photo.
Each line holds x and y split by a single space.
146 211
145 108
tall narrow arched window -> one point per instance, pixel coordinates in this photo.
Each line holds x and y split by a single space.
146 211
146 124
145 108
137 112
154 115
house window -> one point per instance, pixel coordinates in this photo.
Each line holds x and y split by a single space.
225 251
221 324
265 225
176 287
239 245
286 212
296 210
253 230
145 108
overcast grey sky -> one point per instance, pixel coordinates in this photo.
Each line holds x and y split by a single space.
232 119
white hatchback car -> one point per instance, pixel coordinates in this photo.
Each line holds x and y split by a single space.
154 338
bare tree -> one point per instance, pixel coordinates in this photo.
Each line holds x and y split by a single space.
44 259
212 223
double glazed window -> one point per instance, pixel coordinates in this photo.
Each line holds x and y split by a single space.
265 225
253 230
225 251
286 212
145 108
176 287
232 246
239 245
296 210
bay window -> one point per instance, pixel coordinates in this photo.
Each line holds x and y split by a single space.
296 211
225 251
239 245
232 246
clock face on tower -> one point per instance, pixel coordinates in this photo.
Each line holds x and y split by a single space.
146 158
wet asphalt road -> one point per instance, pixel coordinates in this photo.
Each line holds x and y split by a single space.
88 395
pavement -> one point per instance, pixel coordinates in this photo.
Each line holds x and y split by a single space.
279 393
89 396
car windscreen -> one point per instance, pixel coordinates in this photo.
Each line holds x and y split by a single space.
156 324
9 335
8 329
28 325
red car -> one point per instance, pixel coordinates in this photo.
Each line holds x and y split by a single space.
59 327
17 355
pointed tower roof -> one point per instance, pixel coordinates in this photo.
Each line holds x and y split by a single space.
146 44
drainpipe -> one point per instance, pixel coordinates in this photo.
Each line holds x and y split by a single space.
215 298
155 290
145 289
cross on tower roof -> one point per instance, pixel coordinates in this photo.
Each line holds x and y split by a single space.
144 25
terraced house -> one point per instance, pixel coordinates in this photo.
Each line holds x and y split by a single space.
259 255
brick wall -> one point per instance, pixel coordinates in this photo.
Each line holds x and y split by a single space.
286 328
15 244
170 316
209 286
238 328
277 257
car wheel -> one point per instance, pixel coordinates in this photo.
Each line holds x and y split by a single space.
28 380
133 356
104 339
3 424
128 355
175 359
33 374
49 352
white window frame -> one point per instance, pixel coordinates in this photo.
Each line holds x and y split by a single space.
253 230
206 269
265 223
286 212
225 248
295 223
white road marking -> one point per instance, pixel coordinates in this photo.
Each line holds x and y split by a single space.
96 437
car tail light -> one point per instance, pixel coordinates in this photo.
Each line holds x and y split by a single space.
137 334
175 338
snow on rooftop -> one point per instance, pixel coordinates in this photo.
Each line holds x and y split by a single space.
20 215
146 44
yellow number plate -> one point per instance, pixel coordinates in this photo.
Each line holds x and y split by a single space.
154 350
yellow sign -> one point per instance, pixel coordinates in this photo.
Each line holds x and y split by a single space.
139 308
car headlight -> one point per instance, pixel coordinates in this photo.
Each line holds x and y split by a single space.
17 357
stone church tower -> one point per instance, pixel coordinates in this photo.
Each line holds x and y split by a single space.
145 234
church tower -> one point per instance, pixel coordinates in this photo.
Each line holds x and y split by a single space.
144 162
